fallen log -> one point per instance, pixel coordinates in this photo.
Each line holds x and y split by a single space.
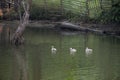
65 26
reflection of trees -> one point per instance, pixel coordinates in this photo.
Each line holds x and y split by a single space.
4 33
21 60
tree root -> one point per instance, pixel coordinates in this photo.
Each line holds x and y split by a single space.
17 39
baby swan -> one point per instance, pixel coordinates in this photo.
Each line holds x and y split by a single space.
72 50
88 50
53 49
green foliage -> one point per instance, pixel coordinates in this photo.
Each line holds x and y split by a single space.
112 15
41 13
37 12
102 11
75 17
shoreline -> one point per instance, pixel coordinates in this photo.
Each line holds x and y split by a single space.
107 29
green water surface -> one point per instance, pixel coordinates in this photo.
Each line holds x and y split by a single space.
35 61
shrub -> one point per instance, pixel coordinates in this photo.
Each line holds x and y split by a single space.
112 15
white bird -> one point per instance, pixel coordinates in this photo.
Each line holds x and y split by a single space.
53 49
72 50
88 51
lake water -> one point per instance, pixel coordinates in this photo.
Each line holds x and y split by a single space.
35 61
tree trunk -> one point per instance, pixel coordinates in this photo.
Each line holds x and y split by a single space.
61 4
101 5
87 8
17 37
45 7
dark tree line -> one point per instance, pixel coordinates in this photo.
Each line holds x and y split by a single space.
21 7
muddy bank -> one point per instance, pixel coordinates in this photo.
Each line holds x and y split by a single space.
113 30
109 29
73 27
83 27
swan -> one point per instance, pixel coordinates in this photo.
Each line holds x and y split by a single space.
72 50
88 51
53 49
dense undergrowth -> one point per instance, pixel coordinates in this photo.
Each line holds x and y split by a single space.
112 15
71 11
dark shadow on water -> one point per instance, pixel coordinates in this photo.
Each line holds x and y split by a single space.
5 34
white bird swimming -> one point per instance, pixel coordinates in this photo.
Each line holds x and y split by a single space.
88 51
72 50
53 49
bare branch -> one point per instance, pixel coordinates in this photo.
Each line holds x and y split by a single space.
18 36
